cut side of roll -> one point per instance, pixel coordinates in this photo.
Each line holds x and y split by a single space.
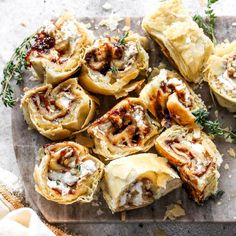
112 64
221 75
58 112
196 158
125 129
67 173
167 95
136 181
59 48
180 38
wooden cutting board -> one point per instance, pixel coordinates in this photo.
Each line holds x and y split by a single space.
27 142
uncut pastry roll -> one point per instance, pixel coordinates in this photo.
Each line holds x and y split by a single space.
196 158
111 65
221 75
67 173
168 95
59 48
136 181
126 129
180 38
58 112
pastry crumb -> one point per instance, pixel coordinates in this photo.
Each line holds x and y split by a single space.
160 232
106 6
226 166
219 203
149 69
234 24
126 28
231 152
100 212
174 211
111 23
88 25
230 176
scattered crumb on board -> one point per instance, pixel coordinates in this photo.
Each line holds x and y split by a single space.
106 6
174 211
232 152
226 166
160 232
111 22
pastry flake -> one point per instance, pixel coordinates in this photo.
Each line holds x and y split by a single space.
221 75
136 181
125 129
67 173
112 64
58 112
180 38
59 48
196 158
168 96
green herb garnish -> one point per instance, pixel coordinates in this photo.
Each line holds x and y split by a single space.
113 69
13 70
208 25
78 167
213 127
123 37
58 182
218 195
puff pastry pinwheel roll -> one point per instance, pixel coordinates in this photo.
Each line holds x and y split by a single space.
196 158
58 112
136 181
168 95
67 173
126 129
221 75
112 64
58 49
180 38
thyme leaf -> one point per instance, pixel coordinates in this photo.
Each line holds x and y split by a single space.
13 70
113 69
207 25
213 127
123 37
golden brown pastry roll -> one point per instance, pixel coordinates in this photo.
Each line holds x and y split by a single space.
167 95
58 112
59 48
111 65
180 38
136 181
221 75
196 158
67 173
125 129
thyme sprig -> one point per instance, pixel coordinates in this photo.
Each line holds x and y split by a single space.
208 25
123 37
113 70
13 70
213 127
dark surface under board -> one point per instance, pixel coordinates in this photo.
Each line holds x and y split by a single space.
27 143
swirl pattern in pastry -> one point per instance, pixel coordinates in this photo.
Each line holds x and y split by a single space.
180 38
126 129
58 112
110 66
168 96
196 158
136 181
67 173
59 48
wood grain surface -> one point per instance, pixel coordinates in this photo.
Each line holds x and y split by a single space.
27 142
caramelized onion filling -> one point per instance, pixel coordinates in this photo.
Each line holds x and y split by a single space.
66 168
193 153
139 193
110 55
126 126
